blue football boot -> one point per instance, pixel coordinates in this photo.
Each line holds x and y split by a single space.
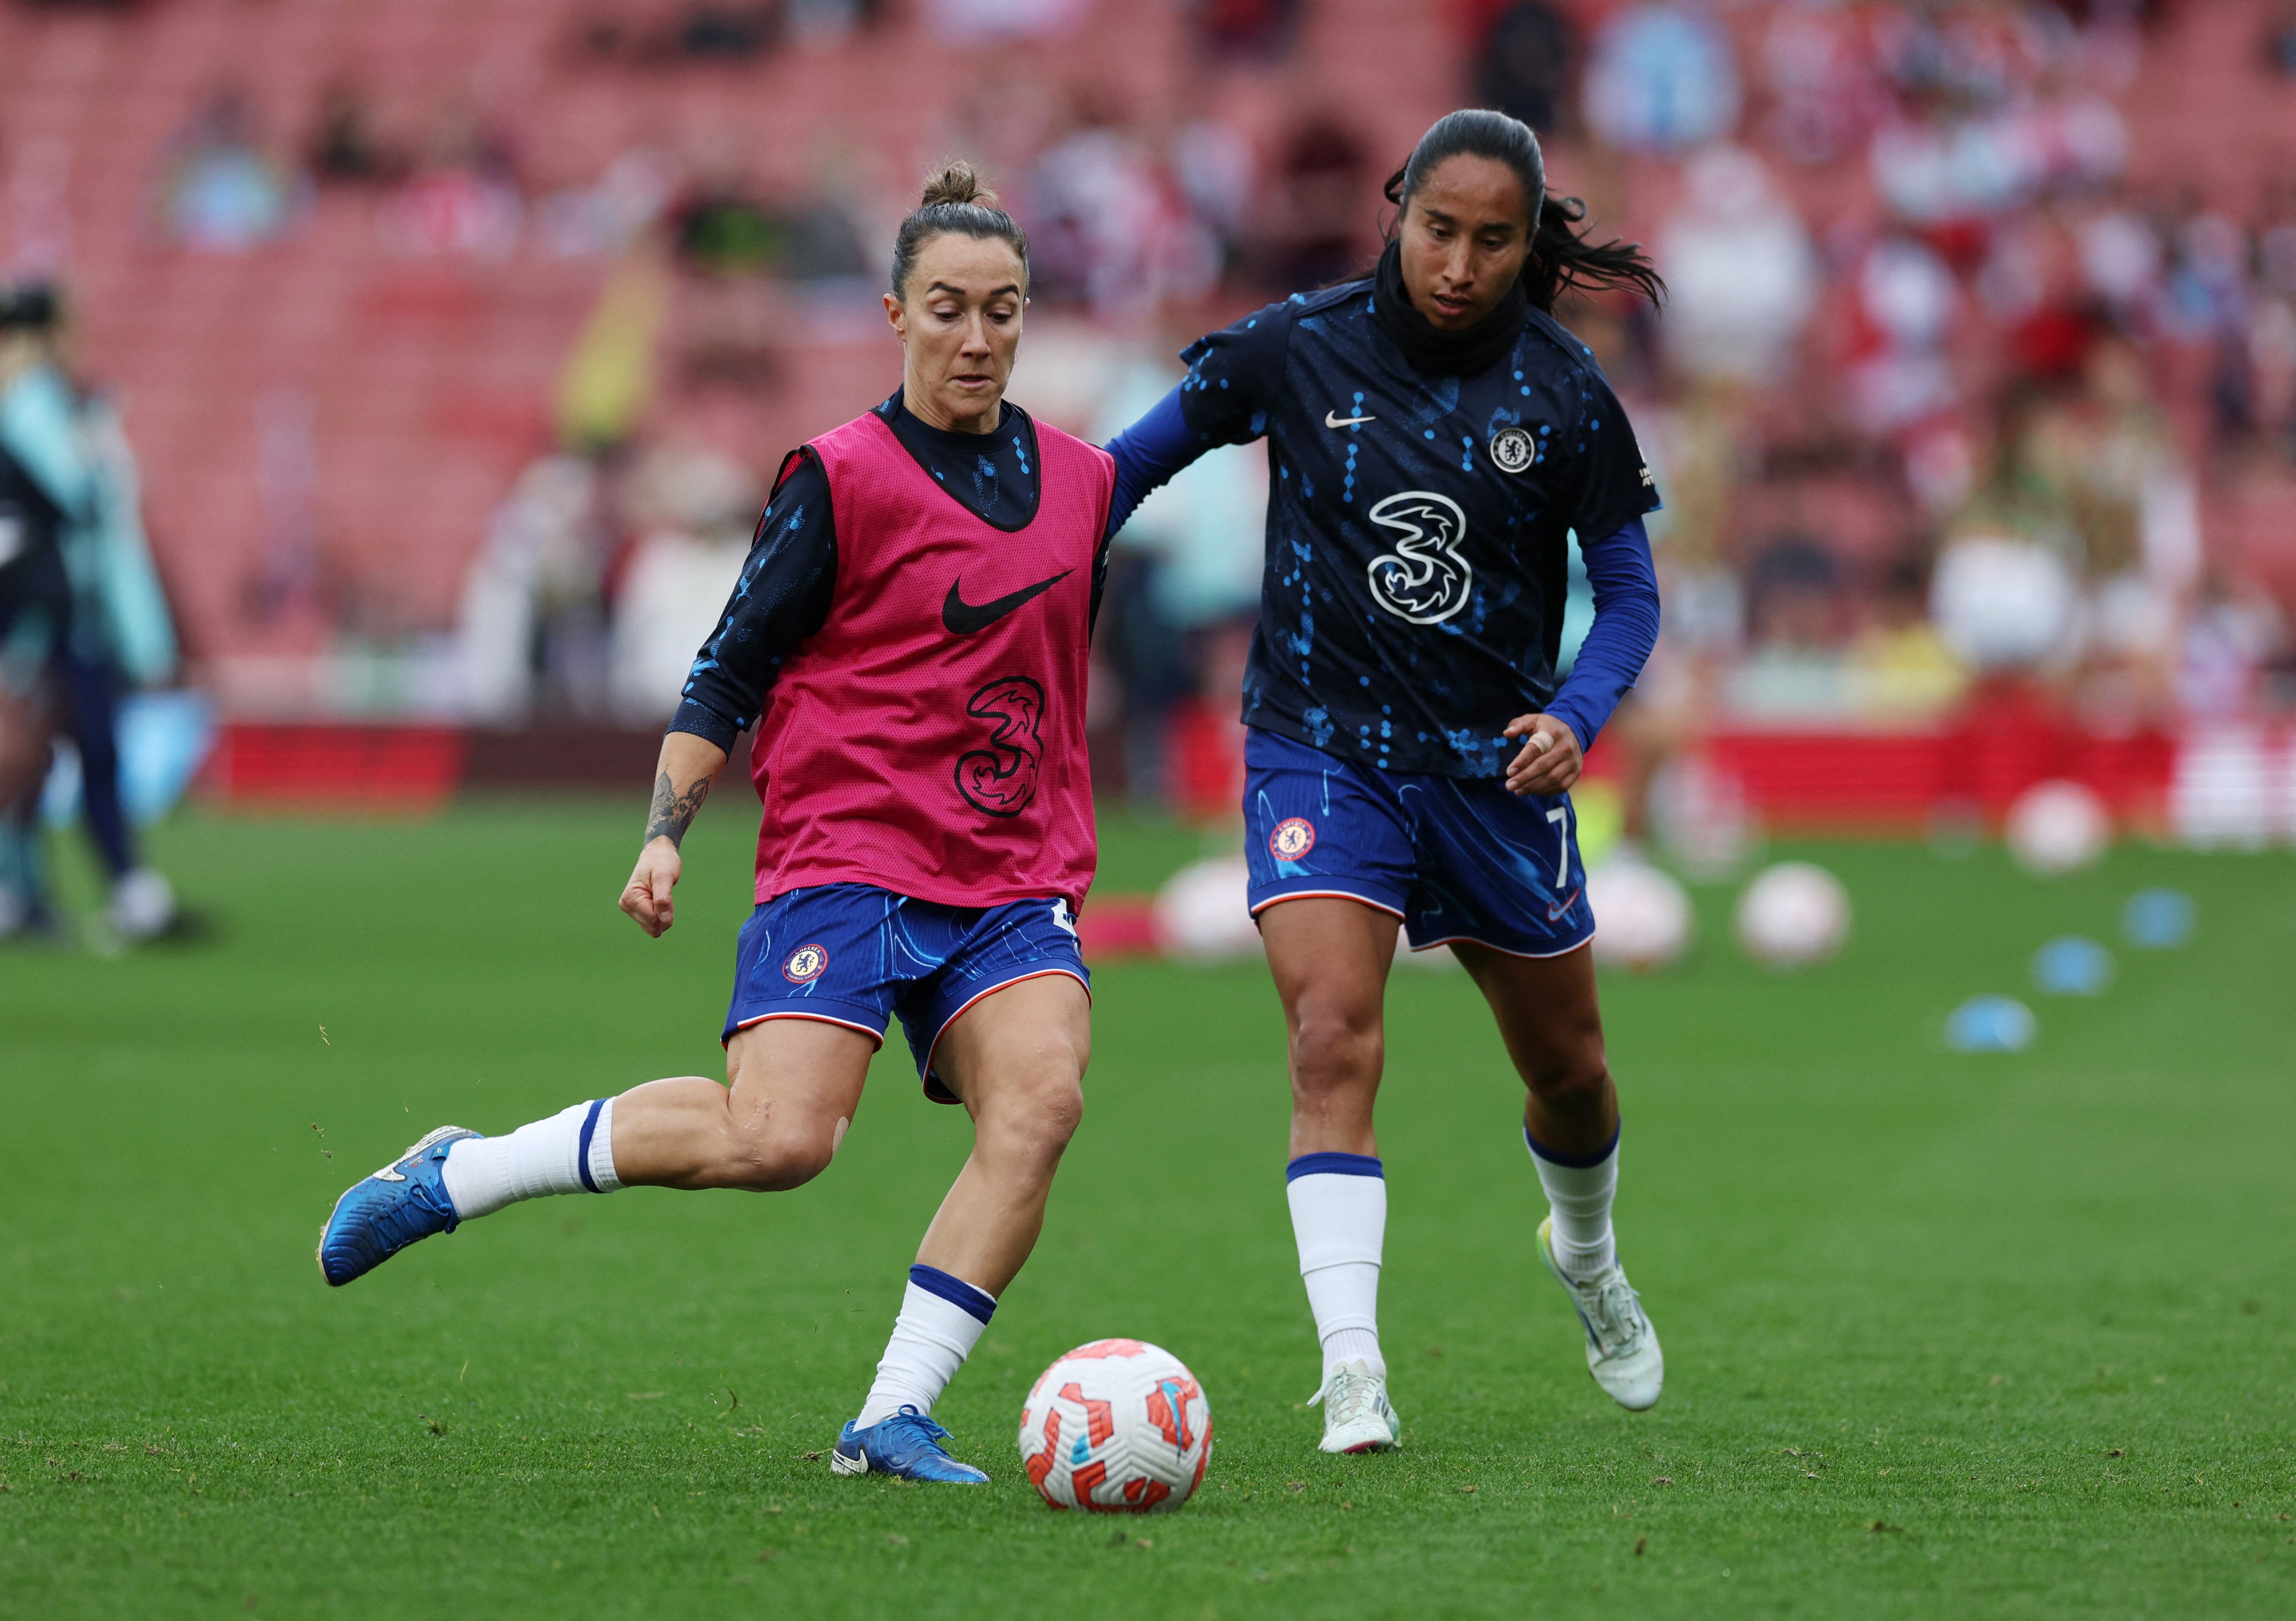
908 1445
404 1201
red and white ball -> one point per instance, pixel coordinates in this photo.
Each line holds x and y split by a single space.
1641 915
1794 915
2058 826
1203 911
1116 1427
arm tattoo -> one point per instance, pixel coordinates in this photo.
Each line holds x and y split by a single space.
673 812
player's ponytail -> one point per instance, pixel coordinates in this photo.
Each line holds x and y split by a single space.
1561 258
955 200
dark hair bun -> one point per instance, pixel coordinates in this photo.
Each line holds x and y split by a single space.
956 183
954 201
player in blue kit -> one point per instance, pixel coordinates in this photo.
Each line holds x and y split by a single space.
1433 434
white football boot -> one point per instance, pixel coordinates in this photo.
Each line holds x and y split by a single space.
1356 1418
1622 1351
143 904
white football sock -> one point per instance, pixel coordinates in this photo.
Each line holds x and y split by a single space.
941 1321
571 1153
1339 1217
1579 1188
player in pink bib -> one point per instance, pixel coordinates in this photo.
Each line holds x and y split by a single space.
909 637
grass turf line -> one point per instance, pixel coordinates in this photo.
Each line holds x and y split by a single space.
2028 1315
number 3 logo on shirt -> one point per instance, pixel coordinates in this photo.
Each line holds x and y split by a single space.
1424 579
1002 778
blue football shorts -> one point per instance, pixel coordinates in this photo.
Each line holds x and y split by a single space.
854 954
1456 859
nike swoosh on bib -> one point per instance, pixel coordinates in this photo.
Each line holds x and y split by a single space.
1332 419
962 617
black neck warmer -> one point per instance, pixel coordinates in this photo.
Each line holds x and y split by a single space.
1428 349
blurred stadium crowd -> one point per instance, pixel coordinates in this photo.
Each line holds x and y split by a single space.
460 339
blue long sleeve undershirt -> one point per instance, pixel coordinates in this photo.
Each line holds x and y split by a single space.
1620 640
1149 453
1619 568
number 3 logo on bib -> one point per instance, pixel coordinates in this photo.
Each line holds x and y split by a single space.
1424 579
1002 778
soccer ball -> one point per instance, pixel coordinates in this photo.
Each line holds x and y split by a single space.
1203 911
1642 916
1116 1427
1794 915
2058 827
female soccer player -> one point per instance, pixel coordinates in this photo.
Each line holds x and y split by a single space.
1432 434
913 622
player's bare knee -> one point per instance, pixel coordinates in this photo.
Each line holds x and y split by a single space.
1335 1049
776 1160
1569 1085
1046 1114
1028 1120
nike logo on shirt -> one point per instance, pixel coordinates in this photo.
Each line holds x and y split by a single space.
1332 419
962 617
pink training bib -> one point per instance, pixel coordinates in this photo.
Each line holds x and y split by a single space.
929 739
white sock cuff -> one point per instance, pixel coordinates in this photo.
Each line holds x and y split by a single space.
970 1297
1338 1218
597 1149
1347 1343
1579 1189
941 1322
545 1155
942 1318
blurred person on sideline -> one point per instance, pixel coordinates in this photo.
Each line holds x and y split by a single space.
2236 635
35 615
2099 454
345 148
1899 669
1317 215
1741 276
117 630
221 191
1793 665
1529 58
463 197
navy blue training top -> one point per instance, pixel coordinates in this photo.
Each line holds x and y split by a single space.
1416 567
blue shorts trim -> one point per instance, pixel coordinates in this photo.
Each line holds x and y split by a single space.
1459 860
933 1088
853 1018
856 955
1263 896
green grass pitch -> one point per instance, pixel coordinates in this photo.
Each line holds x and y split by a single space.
1947 1335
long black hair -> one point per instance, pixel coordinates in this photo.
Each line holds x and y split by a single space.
1561 259
955 200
